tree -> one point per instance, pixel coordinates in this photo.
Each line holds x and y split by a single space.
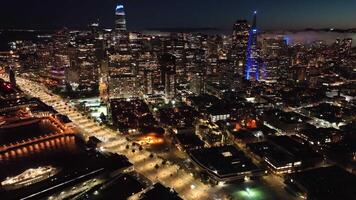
103 117
68 88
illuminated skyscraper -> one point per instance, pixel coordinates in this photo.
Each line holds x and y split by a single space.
197 83
148 82
239 45
168 74
94 28
252 64
273 51
121 36
120 21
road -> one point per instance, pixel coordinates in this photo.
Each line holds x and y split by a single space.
171 175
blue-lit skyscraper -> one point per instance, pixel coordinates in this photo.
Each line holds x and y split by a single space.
121 34
252 64
120 21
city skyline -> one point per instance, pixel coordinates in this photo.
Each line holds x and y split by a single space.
112 112
276 14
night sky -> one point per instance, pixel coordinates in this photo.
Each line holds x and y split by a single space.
141 14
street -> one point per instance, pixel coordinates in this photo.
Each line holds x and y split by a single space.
169 174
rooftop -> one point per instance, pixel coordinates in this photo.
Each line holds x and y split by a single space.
326 183
121 188
160 192
225 161
189 140
296 149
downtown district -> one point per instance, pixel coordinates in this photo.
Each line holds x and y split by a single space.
116 114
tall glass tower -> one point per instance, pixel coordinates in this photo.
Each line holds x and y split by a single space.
121 34
252 65
120 21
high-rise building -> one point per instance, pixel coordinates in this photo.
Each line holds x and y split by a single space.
123 86
252 70
170 86
197 83
168 75
122 76
60 58
345 46
82 73
121 36
239 45
272 47
94 29
120 21
273 51
148 82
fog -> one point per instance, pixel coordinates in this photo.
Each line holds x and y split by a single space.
307 37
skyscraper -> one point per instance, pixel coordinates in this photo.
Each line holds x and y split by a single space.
197 83
120 21
123 86
252 70
121 36
168 74
239 45
273 51
148 82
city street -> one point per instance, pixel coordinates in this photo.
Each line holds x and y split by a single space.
170 175
196 100
146 162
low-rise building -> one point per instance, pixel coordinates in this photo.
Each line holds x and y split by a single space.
224 164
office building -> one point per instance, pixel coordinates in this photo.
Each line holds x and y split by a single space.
239 45
168 75
120 21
